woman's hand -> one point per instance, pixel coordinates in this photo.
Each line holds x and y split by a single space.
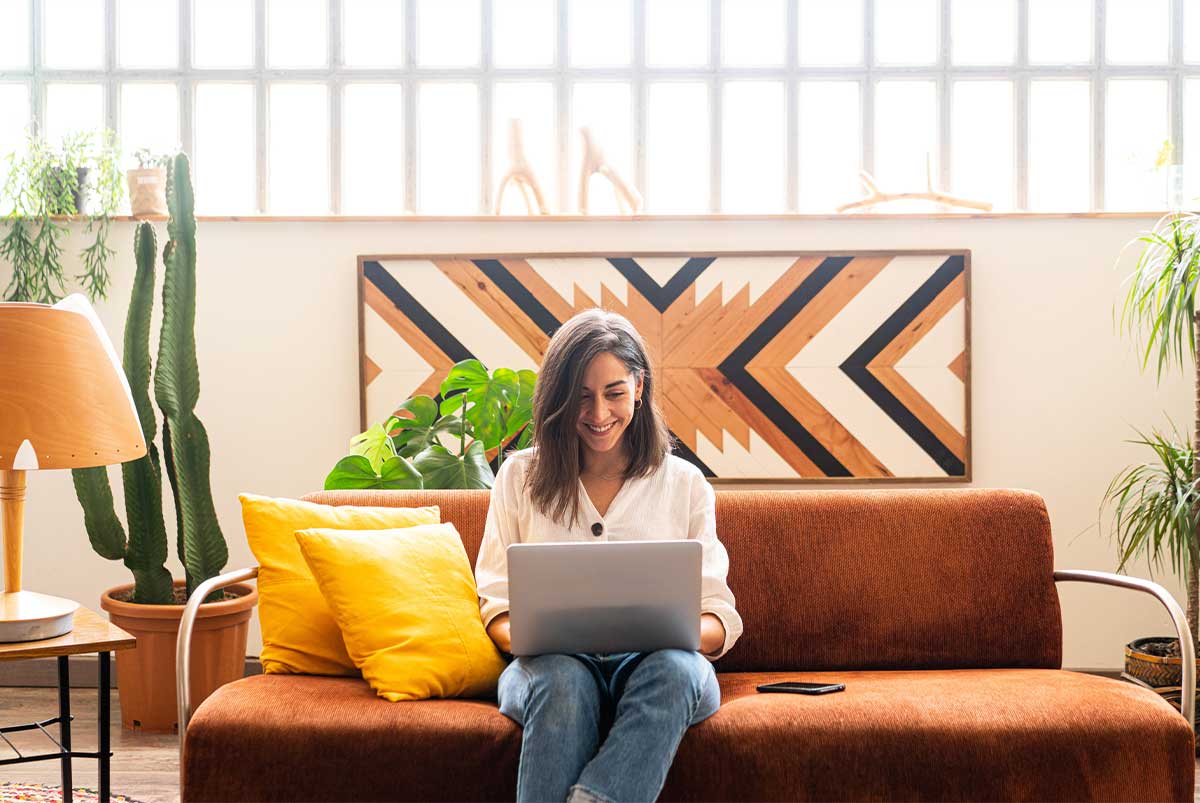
712 633
498 631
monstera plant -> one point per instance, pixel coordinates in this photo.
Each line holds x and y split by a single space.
480 412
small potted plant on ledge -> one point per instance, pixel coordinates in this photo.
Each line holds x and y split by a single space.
151 607
148 184
44 188
1157 505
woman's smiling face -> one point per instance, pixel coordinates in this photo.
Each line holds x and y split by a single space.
606 404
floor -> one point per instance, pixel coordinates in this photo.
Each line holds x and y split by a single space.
145 767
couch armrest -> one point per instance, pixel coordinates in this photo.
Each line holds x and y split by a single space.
1187 649
183 645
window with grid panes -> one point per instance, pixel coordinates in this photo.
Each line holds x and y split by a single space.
317 107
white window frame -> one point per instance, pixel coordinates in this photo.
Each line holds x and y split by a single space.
867 75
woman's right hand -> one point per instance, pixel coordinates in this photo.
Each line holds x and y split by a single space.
498 630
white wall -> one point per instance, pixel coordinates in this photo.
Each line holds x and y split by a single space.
1055 389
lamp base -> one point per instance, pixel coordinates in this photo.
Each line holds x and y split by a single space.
30 616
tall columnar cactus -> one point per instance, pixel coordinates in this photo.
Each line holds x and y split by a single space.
200 545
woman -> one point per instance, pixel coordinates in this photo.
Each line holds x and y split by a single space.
601 469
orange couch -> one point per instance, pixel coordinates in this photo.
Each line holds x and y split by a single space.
937 608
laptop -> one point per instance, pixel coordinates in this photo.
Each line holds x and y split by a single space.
614 596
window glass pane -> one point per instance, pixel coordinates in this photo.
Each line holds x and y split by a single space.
372 161
1060 31
296 33
149 119
372 33
983 33
1191 135
448 33
298 149
906 32
752 32
533 105
71 108
224 164
677 146
754 161
147 33
448 149
1138 31
523 33
830 144
1060 146
73 34
223 33
606 110
1191 31
14 34
14 117
981 141
676 33
1136 127
599 31
831 33
906 126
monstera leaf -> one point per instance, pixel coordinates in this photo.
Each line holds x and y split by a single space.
355 472
374 444
441 468
487 399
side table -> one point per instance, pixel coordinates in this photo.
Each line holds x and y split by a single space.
91 633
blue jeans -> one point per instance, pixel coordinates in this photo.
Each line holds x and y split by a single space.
637 704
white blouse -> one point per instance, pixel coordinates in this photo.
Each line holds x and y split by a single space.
675 501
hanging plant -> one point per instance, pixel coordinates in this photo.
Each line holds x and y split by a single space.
45 186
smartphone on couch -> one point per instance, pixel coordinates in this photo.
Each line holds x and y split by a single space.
796 687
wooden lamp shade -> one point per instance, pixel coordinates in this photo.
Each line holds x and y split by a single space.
64 403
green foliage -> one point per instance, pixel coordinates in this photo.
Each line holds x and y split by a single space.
80 176
481 410
1161 300
200 545
1155 505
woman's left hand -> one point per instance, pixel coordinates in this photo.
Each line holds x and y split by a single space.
712 634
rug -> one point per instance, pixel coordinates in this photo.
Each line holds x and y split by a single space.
39 793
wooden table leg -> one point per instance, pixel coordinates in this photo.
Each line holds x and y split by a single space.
105 752
64 724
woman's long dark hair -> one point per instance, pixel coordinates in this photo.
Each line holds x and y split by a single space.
553 479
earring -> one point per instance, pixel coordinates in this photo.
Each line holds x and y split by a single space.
637 403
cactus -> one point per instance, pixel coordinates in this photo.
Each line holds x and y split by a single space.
200 545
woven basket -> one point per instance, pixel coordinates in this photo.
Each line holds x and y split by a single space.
1154 670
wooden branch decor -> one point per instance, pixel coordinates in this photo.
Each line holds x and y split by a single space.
521 174
771 366
876 197
629 201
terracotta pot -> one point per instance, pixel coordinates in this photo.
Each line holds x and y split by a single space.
147 191
146 674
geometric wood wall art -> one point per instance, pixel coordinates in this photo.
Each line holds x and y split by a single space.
772 366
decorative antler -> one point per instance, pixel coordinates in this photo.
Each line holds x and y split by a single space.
629 201
520 172
875 196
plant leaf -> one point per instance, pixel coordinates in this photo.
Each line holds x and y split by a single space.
440 468
354 472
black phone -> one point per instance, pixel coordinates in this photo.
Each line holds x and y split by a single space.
794 687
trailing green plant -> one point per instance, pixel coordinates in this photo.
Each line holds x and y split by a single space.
45 184
481 410
200 544
1160 312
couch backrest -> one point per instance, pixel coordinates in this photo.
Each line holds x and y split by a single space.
862 579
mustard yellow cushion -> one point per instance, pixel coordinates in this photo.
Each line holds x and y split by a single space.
407 606
298 630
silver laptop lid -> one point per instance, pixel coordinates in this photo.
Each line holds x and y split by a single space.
614 596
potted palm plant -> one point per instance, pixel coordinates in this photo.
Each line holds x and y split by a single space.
151 607
1157 505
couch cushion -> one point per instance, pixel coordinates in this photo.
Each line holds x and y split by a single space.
1007 734
932 578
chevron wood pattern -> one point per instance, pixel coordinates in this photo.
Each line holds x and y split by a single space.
772 366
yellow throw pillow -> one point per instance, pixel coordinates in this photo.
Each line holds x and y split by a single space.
298 630
408 609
